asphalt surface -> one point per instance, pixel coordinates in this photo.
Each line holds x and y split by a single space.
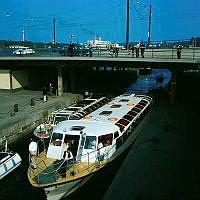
164 162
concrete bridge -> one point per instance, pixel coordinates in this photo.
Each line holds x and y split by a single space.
20 72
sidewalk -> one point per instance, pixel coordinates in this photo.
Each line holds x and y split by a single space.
15 125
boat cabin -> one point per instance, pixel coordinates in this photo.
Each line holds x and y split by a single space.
81 137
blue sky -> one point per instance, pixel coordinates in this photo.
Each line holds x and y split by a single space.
171 20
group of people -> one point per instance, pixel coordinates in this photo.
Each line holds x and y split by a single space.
44 92
114 50
66 160
137 48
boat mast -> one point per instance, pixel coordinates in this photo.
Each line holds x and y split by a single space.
149 31
127 24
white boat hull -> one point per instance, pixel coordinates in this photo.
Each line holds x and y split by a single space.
63 190
9 165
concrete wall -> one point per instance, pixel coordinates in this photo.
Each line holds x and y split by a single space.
4 79
20 79
20 125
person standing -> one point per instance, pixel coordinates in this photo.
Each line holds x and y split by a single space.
33 152
142 48
67 159
86 94
51 89
179 48
44 92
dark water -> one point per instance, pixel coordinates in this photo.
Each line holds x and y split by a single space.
16 185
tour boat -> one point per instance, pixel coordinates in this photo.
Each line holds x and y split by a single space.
96 141
8 162
75 111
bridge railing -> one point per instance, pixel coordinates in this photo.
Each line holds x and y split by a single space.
186 53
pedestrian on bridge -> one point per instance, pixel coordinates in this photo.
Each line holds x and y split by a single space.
137 48
179 48
142 48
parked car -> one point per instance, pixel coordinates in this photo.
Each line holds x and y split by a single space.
24 51
77 51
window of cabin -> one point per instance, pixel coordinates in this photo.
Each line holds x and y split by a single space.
139 106
60 118
77 128
90 142
123 122
56 139
105 140
105 112
116 134
132 113
116 106
119 142
125 136
121 127
128 117
136 109
124 100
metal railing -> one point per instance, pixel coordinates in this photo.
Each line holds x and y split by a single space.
45 174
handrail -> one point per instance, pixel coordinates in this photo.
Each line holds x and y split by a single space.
55 168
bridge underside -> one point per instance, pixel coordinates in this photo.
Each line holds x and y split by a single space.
64 72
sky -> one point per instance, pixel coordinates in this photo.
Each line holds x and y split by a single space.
89 19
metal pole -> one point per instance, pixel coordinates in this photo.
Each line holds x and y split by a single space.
149 31
54 34
127 25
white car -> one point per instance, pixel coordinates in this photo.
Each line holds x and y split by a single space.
23 51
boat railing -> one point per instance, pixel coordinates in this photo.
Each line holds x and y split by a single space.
91 161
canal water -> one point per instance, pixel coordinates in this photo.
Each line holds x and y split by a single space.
16 185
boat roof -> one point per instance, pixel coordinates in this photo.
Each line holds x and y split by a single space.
78 127
104 120
117 108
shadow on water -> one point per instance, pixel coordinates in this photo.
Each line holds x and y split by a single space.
16 184
99 184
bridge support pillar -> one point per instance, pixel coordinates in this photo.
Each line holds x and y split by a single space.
173 86
60 81
73 79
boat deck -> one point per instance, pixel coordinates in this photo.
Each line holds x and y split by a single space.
45 174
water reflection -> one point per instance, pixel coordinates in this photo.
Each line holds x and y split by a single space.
145 82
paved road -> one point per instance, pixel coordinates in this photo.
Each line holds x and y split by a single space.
164 163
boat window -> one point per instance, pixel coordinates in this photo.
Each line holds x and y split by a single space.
105 140
60 118
56 139
105 112
116 134
139 106
128 117
77 128
123 122
136 109
74 117
121 127
90 142
119 142
132 113
116 106
124 100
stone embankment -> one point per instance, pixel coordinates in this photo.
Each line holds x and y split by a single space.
16 125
